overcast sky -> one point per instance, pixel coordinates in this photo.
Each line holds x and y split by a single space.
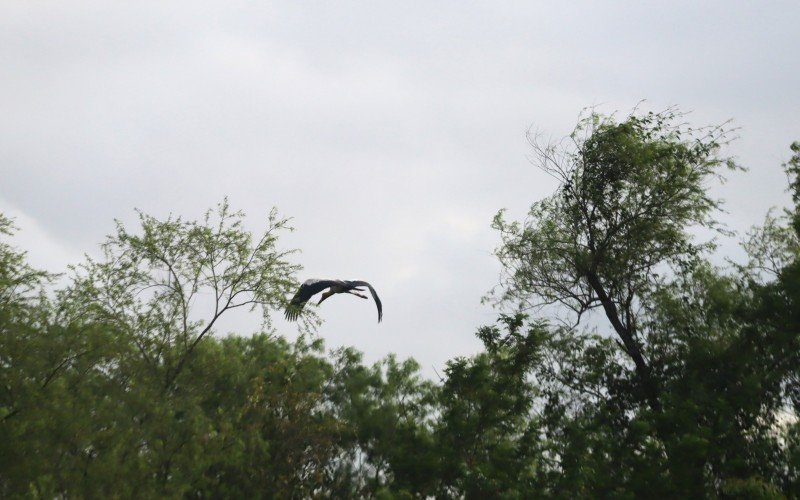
391 132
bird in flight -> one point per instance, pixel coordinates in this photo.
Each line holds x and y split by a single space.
314 286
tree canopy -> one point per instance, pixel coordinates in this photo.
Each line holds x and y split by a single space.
624 364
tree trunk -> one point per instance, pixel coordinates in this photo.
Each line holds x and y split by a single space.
632 347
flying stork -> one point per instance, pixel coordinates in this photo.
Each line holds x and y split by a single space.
314 286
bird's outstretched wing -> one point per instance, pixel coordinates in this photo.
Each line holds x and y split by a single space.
374 296
308 289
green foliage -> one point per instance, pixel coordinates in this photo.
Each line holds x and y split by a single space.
115 386
149 284
792 168
628 194
488 441
681 400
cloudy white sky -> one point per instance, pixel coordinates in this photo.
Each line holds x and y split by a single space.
390 131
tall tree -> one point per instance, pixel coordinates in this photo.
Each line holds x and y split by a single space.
628 194
155 283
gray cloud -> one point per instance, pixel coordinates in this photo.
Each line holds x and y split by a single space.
390 132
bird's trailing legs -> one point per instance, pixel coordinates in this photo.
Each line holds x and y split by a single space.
333 292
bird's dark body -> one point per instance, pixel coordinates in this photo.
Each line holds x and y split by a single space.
313 286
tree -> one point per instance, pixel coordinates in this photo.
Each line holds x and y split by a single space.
629 192
19 284
687 398
488 444
148 284
116 386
